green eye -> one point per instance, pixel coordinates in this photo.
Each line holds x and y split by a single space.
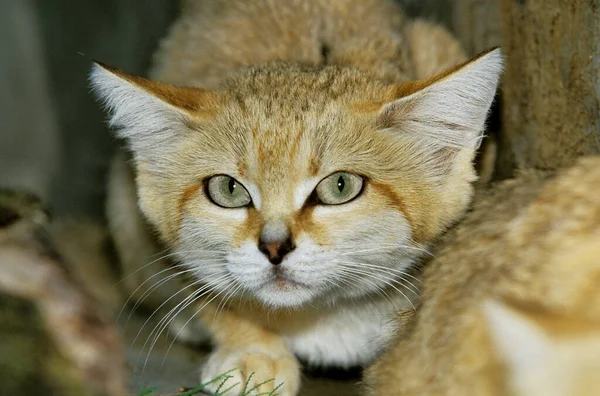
339 188
227 192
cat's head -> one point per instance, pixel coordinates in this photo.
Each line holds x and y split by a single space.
293 184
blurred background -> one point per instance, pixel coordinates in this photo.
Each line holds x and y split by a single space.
55 144
54 141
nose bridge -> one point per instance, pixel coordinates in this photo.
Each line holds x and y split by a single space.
275 230
275 240
276 212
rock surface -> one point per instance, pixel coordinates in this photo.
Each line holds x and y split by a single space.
551 89
55 338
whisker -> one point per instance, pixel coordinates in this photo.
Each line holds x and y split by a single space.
158 284
144 266
169 316
386 281
383 271
378 289
159 332
222 304
142 284
159 307
192 317
388 247
164 322
360 266
154 287
167 256
382 268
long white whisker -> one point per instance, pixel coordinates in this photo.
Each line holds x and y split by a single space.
144 266
169 316
378 288
360 266
160 306
167 256
221 303
154 287
192 317
386 281
158 284
142 284
163 323
384 271
390 247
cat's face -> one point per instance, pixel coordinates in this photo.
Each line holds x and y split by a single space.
299 203
296 185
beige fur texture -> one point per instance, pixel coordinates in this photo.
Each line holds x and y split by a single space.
277 97
511 301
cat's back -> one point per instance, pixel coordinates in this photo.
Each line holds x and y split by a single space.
530 247
214 38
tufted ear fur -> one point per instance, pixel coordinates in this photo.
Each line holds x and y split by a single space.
156 120
150 115
445 115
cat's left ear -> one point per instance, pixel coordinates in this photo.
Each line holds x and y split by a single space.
150 115
448 110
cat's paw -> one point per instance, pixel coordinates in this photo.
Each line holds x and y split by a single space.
254 371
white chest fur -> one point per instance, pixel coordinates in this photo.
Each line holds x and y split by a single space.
347 335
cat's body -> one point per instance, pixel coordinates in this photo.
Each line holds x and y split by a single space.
238 184
511 303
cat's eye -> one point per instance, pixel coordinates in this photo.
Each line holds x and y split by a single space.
227 192
339 188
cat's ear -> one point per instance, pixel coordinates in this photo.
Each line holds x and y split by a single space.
520 342
447 112
148 114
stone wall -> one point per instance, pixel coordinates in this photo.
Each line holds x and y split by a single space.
550 92
552 81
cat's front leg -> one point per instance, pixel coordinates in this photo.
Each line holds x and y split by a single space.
255 358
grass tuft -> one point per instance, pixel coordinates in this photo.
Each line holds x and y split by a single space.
150 391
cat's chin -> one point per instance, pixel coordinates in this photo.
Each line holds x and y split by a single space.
283 293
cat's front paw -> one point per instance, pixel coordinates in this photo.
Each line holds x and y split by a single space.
253 371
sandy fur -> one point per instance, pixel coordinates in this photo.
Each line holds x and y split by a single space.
510 304
279 95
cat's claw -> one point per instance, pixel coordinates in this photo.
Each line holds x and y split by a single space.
252 372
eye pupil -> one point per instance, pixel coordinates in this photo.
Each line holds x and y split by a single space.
338 188
340 184
231 185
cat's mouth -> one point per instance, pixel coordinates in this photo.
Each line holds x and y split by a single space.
280 288
283 282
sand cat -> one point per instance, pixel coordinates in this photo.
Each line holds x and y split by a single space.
511 303
296 158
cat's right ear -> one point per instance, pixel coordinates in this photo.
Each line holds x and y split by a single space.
151 116
444 116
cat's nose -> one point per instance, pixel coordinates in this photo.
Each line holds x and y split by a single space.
275 240
276 251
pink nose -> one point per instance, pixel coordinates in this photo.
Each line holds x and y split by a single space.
276 251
